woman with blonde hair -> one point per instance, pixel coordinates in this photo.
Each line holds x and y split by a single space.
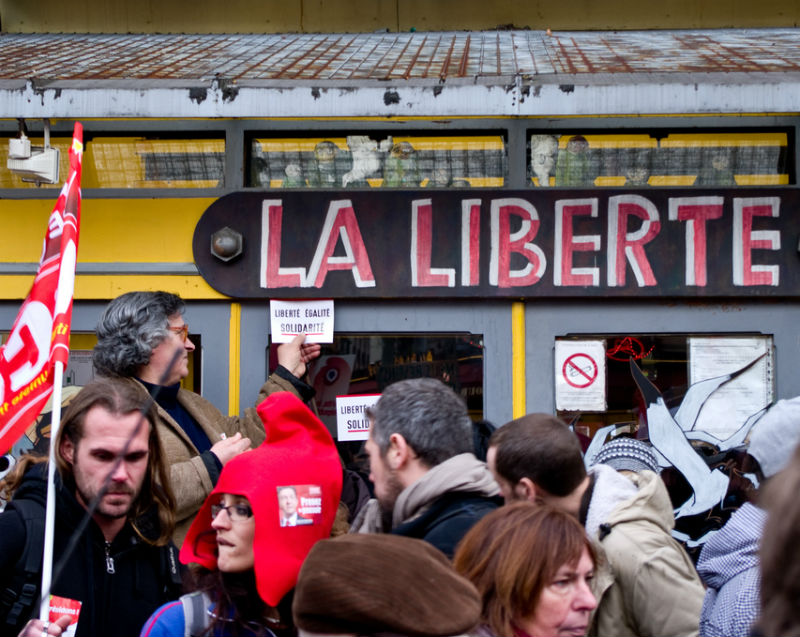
532 565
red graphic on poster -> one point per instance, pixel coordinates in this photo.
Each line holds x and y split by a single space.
330 377
626 348
60 606
299 504
579 370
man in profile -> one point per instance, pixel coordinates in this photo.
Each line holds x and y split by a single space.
650 586
287 502
124 565
428 482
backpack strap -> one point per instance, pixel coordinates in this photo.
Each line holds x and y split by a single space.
171 569
17 600
195 617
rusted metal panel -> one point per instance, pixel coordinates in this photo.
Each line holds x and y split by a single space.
439 56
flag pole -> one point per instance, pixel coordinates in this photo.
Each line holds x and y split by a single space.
50 510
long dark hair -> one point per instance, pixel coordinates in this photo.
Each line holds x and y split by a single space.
238 608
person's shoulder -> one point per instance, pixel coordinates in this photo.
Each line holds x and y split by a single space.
466 503
165 621
449 518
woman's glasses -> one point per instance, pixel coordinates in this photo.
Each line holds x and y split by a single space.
236 512
183 330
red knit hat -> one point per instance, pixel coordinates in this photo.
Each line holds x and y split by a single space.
298 453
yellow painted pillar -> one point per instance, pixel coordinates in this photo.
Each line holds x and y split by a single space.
234 358
518 359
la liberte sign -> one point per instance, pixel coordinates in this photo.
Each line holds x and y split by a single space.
489 243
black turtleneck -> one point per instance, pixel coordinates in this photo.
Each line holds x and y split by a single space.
167 398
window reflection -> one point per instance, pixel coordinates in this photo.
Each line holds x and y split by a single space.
366 364
135 162
363 161
708 159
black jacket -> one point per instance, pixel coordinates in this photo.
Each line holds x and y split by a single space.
115 603
448 519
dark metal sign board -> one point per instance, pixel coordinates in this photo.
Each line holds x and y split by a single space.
740 242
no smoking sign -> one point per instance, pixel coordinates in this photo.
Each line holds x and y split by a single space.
580 375
580 370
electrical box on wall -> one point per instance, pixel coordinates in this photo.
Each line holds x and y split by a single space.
35 164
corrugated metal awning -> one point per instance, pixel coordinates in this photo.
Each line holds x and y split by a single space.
488 72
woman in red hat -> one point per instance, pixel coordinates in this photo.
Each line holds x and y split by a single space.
245 561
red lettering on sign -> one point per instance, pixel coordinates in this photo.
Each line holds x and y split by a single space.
745 240
696 211
272 274
341 223
624 245
504 243
567 243
422 274
470 241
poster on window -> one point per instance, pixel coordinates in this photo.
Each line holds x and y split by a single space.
351 416
330 377
730 405
580 375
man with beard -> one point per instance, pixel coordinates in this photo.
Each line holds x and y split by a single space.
123 565
428 482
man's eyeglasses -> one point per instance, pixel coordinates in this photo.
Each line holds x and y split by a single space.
236 512
183 330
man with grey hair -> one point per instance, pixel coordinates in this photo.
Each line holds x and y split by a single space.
428 483
143 336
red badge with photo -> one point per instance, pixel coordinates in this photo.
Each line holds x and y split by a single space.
299 504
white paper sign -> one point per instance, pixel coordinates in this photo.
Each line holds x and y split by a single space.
580 375
290 318
729 406
79 369
351 417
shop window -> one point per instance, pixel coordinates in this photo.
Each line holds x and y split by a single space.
135 162
701 159
366 363
378 161
595 386
138 162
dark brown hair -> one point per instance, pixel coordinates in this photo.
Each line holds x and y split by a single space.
513 553
780 554
542 448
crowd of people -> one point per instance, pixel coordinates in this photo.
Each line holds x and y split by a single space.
173 519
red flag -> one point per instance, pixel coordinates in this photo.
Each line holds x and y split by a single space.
40 335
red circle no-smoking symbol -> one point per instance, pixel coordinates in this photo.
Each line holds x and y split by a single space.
579 370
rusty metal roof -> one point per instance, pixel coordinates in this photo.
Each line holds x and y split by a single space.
442 56
492 73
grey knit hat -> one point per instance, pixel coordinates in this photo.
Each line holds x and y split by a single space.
369 584
627 454
775 435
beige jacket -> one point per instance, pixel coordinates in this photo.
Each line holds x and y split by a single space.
189 475
650 585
